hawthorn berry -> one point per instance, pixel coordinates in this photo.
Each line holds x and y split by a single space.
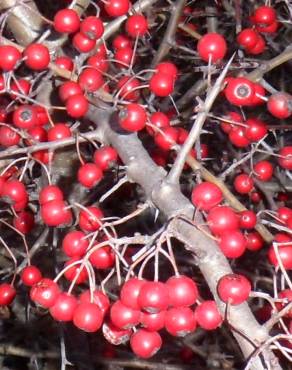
59 131
23 221
49 193
30 275
132 117
237 137
7 294
121 41
130 292
124 57
153 297
89 175
75 244
153 321
68 89
232 244
99 298
90 79
64 62
105 157
166 138
64 307
14 191
56 213
212 46
233 289
77 106
285 256
123 316
20 86
9 57
66 21
263 170
285 157
280 105
45 293
92 27
117 8
90 219
182 291
239 91
127 88
255 130
102 258
248 38
243 183
254 241
37 57
248 219
206 196
136 25
8 136
75 272
180 321
265 15
25 117
161 84
115 335
145 343
88 317
208 316
82 43
168 68
222 219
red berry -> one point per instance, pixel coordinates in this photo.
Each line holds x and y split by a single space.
56 213
206 196
89 175
271 28
64 307
66 21
116 8
30 275
263 170
102 258
22 86
285 159
161 84
212 46
240 91
9 57
77 106
136 25
14 191
264 15
243 183
45 293
208 316
255 130
182 291
234 288
284 213
232 244
92 27
82 43
259 48
237 137
124 317
222 219
145 343
75 244
25 117
88 317
98 62
259 95
124 57
49 193
248 219
8 137
24 222
159 120
132 117
227 127
153 321
90 220
7 294
115 335
59 131
130 292
121 42
69 88
280 105
254 241
285 256
99 298
75 271
167 138
105 157
127 88
248 38
37 57
90 79
180 321
37 134
64 62
153 297
167 68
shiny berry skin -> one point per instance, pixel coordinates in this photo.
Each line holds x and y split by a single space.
145 343
222 219
82 43
24 222
248 219
8 137
9 56
64 62
264 15
237 137
30 275
271 28
124 317
256 129
132 117
55 213
167 138
206 196
153 297
136 25
14 191
7 294
182 291
285 159
90 79
153 321
37 57
25 117
168 68
231 116
59 131
127 88
49 193
75 271
239 91
285 254
22 87
115 335
89 175
280 105
66 21
102 258
232 244
234 289
259 96
254 241
74 244
159 120
284 213
116 8
99 298
77 106
180 321
88 317
263 170
121 41
90 220
98 62
248 38
64 307
42 114
105 157
45 293
124 57
259 48
208 316
69 88
212 46
92 27
130 292
37 135
243 183
161 84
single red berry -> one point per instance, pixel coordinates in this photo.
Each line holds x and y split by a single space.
122 41
64 307
208 316
130 292
232 244
127 88
284 213
116 8
102 258
77 106
248 38
30 275
256 197
243 183
263 170
23 222
89 175
132 117
234 289
99 298
75 271
166 138
37 57
66 21
45 293
255 130
98 62
59 131
285 256
182 291
161 84
90 219
42 114
68 89
36 135
167 68
7 294
88 317
248 219
153 321
159 120
265 15
75 244
222 219
153 297
124 57
285 157
212 46
82 43
240 91
9 57
237 137
124 317
259 47
14 191
254 241
49 193
25 117
145 343
64 62
105 157
206 196
90 79
8 137
136 25
56 213
180 321
280 105
92 27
